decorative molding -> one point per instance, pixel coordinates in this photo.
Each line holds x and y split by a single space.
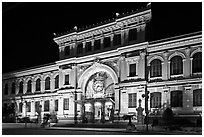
199 49
177 53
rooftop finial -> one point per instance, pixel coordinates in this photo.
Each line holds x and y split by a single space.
117 14
75 27
149 4
54 34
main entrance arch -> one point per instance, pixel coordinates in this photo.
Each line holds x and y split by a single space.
98 93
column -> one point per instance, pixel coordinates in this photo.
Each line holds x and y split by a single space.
42 85
92 45
187 63
32 107
61 52
24 109
111 40
60 106
117 98
24 87
142 65
52 83
17 87
83 112
33 86
165 69
102 111
52 105
84 44
168 69
93 112
122 36
60 78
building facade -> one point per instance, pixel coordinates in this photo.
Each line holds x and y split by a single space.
102 72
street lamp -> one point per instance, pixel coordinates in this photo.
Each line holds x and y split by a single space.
146 91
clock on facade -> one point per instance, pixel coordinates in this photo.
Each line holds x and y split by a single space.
98 86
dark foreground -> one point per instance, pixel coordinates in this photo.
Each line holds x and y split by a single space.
50 131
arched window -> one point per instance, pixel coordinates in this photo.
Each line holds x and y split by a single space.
155 100
197 97
197 62
176 66
38 84
13 88
176 98
47 83
21 87
57 82
155 68
80 48
6 90
67 51
29 86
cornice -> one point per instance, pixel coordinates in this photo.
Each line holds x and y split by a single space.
175 43
30 71
138 19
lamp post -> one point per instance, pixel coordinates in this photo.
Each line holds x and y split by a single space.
146 91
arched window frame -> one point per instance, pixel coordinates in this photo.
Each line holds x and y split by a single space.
29 86
47 83
13 88
56 81
6 89
197 62
156 68
21 87
38 85
176 67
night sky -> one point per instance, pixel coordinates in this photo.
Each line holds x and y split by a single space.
27 37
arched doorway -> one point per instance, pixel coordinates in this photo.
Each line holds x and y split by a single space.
99 98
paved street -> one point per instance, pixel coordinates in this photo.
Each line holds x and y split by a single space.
32 129
37 131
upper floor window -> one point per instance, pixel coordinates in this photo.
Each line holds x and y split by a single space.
107 42
13 88
176 65
67 51
197 97
197 62
66 103
47 83
29 86
47 105
88 46
6 90
66 82
132 100
21 87
132 70
132 34
97 44
80 48
57 82
155 68
38 84
117 39
155 100
176 98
